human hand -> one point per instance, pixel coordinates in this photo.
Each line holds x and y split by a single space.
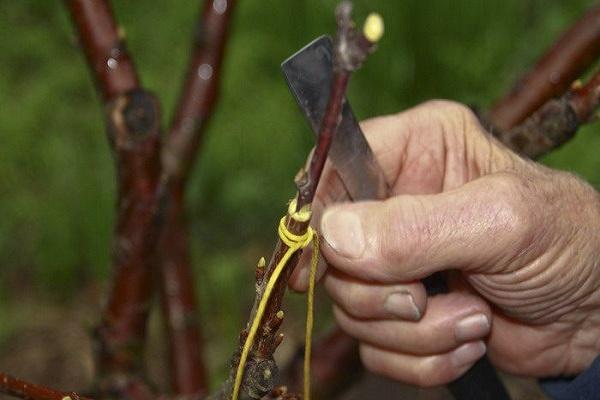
524 238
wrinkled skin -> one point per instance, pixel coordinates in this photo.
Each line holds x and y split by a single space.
523 240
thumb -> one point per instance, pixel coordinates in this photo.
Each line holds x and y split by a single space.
479 226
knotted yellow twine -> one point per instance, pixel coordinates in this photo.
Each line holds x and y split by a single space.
294 243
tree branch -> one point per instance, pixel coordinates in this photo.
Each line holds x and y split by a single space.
133 126
200 89
28 391
261 372
196 105
568 58
555 122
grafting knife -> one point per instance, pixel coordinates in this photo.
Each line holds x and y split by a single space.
309 74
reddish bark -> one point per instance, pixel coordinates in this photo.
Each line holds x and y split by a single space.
555 122
572 54
103 44
200 89
196 105
28 391
133 120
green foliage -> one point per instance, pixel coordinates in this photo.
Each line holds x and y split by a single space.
56 173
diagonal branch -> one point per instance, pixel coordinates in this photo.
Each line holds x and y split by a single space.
196 105
133 127
555 122
568 58
28 391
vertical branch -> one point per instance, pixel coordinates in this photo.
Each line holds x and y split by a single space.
28 391
200 89
196 105
258 372
132 116
570 56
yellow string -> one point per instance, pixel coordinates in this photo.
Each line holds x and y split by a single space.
294 243
310 304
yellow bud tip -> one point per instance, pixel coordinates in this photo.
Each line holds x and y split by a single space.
373 28
280 314
261 263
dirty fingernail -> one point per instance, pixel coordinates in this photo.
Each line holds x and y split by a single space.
468 353
472 327
343 231
402 305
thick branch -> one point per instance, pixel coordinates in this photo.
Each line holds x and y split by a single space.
572 54
555 122
28 391
133 120
196 105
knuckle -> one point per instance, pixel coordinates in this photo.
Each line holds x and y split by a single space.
403 233
453 113
513 211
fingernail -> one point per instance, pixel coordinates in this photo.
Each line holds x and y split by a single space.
468 353
472 327
402 305
343 232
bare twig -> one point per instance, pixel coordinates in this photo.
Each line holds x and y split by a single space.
260 370
198 98
572 54
28 391
132 116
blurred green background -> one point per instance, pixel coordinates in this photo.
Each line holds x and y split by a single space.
56 174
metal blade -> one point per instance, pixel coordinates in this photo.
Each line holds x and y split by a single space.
309 74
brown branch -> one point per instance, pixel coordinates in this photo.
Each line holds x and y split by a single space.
555 122
200 88
132 116
196 105
104 47
571 55
28 391
261 372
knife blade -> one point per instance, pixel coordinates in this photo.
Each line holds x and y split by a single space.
308 73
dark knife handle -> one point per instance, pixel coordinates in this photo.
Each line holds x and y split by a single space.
481 382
